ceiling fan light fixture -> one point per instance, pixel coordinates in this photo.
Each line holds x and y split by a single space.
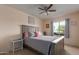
46 9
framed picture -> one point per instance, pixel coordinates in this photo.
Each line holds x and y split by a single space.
47 25
31 20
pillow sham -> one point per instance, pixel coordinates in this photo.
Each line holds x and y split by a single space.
31 34
25 35
38 34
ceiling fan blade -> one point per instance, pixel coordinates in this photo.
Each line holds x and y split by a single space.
50 6
41 12
40 8
52 10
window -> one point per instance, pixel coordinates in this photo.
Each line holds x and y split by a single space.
58 27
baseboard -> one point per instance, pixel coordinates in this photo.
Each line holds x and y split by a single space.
71 45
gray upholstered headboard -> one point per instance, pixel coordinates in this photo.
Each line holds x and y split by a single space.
27 28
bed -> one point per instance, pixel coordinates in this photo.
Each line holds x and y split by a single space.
47 45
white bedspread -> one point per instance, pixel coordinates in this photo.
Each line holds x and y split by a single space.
45 38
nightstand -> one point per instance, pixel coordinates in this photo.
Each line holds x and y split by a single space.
17 45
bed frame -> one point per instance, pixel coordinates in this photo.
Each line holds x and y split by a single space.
28 28
56 49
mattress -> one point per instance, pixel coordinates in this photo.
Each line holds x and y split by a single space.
41 43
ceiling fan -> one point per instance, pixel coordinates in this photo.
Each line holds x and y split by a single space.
47 9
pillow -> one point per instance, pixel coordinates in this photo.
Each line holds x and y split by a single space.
38 34
31 34
25 35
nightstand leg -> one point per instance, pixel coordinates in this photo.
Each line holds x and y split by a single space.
13 48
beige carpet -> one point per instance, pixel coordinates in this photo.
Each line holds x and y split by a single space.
68 51
71 50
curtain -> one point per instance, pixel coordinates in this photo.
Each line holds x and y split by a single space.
51 28
66 32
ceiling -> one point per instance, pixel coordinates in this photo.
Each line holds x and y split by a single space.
32 9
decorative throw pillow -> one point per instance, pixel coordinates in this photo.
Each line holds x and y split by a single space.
31 34
38 34
25 35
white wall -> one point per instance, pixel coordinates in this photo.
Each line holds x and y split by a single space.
74 30
74 27
10 21
44 29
